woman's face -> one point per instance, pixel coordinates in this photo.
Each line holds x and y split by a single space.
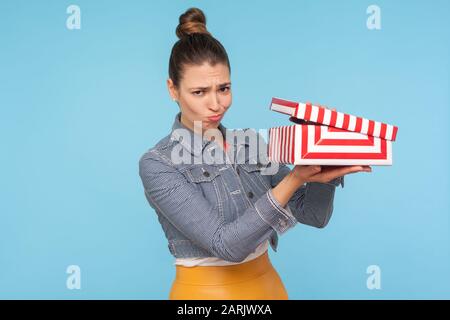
204 94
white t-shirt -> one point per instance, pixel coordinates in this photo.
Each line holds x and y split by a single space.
213 261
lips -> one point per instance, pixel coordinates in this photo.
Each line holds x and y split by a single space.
216 117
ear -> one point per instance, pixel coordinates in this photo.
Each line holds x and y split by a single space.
172 90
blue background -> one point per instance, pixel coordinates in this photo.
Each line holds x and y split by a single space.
79 107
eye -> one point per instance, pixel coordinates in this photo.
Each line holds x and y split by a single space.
224 89
197 93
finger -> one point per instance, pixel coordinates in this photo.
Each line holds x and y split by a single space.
313 169
355 169
323 106
332 174
351 169
329 168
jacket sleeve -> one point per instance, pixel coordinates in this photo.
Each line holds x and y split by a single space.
312 203
169 192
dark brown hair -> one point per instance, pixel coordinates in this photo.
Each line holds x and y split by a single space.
195 45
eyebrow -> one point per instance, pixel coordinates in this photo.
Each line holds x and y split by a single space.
206 88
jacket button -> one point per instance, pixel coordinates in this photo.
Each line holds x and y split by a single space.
250 194
206 173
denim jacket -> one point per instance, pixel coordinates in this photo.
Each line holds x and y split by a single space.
224 210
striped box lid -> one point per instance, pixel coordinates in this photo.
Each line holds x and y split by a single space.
321 115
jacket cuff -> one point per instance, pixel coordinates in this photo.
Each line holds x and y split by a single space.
271 211
336 182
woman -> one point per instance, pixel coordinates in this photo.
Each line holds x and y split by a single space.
219 217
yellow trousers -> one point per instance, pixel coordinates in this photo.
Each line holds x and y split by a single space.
255 279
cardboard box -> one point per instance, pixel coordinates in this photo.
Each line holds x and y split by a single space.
325 137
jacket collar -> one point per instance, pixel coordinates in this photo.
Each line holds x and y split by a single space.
196 143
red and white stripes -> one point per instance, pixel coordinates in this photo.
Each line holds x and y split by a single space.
321 115
282 144
308 144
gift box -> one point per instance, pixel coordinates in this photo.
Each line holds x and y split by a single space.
327 137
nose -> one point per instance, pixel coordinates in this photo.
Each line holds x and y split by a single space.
214 104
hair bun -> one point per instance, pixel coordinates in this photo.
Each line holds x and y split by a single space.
192 21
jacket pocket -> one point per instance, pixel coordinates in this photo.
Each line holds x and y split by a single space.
202 173
207 179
